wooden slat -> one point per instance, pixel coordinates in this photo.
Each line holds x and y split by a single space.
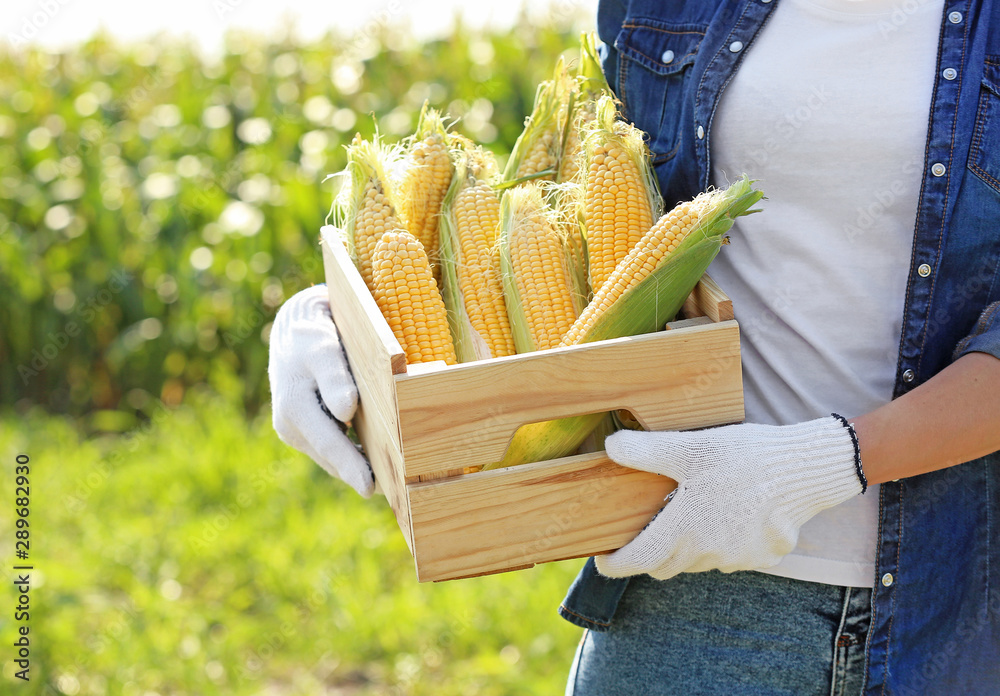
708 299
373 352
387 463
465 415
684 323
493 521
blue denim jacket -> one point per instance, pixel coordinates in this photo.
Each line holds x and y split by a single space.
936 605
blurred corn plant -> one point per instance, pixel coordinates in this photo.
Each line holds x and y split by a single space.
158 205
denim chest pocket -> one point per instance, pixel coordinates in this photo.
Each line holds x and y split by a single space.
654 68
984 154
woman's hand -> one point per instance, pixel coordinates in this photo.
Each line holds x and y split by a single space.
312 391
743 493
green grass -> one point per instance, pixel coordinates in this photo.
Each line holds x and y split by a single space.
197 554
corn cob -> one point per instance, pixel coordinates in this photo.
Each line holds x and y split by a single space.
368 210
405 292
536 151
650 284
621 200
470 259
537 285
425 181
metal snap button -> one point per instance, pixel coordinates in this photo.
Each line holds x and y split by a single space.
909 376
887 579
924 270
954 17
949 73
938 169
701 133
667 57
736 46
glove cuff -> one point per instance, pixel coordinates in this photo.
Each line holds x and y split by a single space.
819 466
857 451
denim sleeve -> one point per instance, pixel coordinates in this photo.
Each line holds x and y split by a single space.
610 17
592 598
985 336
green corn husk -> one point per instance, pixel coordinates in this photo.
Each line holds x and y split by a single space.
589 75
458 320
538 442
595 441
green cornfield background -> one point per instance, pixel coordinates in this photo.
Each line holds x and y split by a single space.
157 205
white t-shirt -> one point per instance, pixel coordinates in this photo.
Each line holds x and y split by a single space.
829 111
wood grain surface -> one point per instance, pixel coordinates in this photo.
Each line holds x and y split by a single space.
505 519
466 415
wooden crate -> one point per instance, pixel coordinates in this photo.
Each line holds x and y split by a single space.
423 425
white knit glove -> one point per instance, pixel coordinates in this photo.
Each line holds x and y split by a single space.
312 391
743 493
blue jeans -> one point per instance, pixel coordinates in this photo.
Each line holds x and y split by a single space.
738 634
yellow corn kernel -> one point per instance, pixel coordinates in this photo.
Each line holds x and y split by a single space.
405 292
477 220
616 210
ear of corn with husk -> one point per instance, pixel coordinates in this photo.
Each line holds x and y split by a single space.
650 284
621 198
426 177
539 290
536 152
470 260
580 109
368 208
538 287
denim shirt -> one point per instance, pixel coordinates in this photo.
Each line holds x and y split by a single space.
936 602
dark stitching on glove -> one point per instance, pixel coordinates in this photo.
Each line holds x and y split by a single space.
857 451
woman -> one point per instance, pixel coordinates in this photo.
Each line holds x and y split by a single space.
861 555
